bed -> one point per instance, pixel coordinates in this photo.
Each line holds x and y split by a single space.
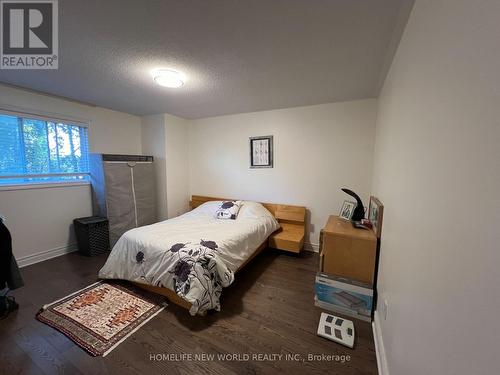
191 258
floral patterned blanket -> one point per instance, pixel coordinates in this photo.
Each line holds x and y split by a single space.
192 269
194 255
199 275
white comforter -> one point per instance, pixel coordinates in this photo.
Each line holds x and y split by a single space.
194 254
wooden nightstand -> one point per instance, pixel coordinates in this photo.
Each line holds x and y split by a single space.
291 235
289 238
347 251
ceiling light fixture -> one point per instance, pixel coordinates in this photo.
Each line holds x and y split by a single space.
168 78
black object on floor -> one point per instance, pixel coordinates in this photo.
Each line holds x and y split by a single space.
7 305
92 235
9 271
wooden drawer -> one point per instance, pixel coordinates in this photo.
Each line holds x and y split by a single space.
348 257
348 254
289 238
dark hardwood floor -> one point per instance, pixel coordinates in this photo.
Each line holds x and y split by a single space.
268 310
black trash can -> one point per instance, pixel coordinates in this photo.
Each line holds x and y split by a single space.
92 235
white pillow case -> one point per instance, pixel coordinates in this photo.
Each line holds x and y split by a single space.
253 210
209 208
228 210
248 209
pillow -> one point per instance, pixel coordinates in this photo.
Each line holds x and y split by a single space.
209 208
228 210
253 210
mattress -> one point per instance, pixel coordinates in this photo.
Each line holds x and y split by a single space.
194 254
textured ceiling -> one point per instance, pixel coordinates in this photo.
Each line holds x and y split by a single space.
239 56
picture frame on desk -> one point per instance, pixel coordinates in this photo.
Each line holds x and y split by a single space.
347 210
376 215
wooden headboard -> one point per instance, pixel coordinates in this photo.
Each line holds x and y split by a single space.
284 213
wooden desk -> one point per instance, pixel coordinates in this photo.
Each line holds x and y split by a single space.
347 251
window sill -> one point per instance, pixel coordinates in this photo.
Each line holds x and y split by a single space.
42 185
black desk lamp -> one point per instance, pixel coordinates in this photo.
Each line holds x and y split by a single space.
359 211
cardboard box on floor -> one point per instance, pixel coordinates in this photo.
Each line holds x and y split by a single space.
343 295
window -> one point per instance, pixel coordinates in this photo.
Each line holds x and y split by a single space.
40 150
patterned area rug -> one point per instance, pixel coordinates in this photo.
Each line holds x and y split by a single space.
101 316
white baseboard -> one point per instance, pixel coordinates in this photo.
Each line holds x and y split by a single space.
314 247
379 346
45 255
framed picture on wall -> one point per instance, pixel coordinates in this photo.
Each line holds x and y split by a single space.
261 152
375 215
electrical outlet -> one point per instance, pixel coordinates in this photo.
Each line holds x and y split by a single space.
386 309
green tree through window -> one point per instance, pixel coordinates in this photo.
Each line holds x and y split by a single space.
36 150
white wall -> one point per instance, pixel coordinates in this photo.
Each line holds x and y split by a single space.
40 219
437 172
166 138
153 143
317 150
177 165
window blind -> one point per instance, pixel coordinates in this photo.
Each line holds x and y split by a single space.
34 150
